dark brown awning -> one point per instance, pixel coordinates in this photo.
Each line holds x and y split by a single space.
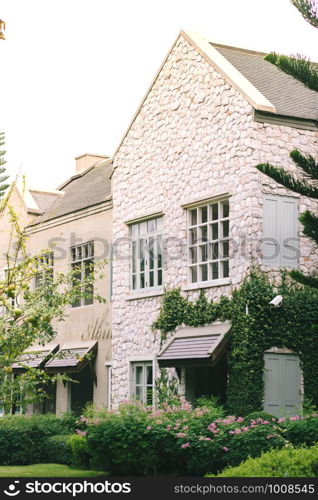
195 346
72 357
34 357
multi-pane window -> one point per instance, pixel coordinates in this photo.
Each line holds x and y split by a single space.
45 266
82 262
146 263
208 241
142 389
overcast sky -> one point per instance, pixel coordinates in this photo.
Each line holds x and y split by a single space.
73 72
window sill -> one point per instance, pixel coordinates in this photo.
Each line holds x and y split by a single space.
146 294
207 284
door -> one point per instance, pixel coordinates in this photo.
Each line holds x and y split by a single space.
282 384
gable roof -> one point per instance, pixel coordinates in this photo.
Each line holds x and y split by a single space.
44 199
289 96
86 189
245 71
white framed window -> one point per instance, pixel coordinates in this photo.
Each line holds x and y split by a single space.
280 245
146 254
82 263
45 266
208 241
142 387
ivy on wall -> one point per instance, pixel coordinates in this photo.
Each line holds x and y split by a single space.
294 325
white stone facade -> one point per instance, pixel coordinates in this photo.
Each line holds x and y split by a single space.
194 138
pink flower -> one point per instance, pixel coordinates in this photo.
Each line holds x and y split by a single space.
185 445
168 427
149 428
282 419
225 448
237 431
201 438
212 426
80 433
240 419
186 428
296 417
231 432
180 434
245 429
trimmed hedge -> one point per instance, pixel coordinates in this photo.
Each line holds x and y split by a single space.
23 439
59 449
299 462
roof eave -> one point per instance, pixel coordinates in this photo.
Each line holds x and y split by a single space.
228 71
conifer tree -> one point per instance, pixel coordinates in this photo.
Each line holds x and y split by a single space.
306 182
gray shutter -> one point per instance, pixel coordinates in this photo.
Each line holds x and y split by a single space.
271 246
288 222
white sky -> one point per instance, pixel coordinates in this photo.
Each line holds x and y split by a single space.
73 72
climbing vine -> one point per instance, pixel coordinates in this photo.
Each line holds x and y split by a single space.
256 326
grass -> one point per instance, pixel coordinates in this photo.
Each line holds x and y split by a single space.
46 470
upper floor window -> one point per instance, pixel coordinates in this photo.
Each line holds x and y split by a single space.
146 260
45 267
82 262
280 231
208 242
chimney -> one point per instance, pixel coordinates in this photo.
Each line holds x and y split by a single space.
87 160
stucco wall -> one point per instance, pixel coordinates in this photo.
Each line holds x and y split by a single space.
88 322
194 138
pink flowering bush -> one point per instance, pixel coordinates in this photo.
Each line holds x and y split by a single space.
183 440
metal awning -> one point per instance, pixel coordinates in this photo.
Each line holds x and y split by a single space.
195 346
72 357
34 357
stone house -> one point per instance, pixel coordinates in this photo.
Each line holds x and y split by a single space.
73 227
190 210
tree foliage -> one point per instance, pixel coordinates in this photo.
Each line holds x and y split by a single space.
3 177
29 314
305 182
308 9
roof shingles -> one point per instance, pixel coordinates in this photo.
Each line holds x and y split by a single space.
289 96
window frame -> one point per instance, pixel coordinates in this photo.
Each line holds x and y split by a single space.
150 265
144 385
80 262
207 242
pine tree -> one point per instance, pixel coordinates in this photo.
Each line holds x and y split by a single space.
308 9
3 177
306 182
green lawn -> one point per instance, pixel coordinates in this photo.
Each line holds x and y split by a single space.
46 470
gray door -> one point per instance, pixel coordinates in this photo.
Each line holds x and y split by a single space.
282 384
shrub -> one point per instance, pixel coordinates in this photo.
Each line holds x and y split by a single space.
180 441
59 449
259 414
23 440
79 449
301 431
278 463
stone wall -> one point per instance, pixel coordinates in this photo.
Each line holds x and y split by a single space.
193 138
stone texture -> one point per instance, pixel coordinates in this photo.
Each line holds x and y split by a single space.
193 138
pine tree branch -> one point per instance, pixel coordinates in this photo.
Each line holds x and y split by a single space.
283 177
310 225
307 163
297 66
308 9
303 279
